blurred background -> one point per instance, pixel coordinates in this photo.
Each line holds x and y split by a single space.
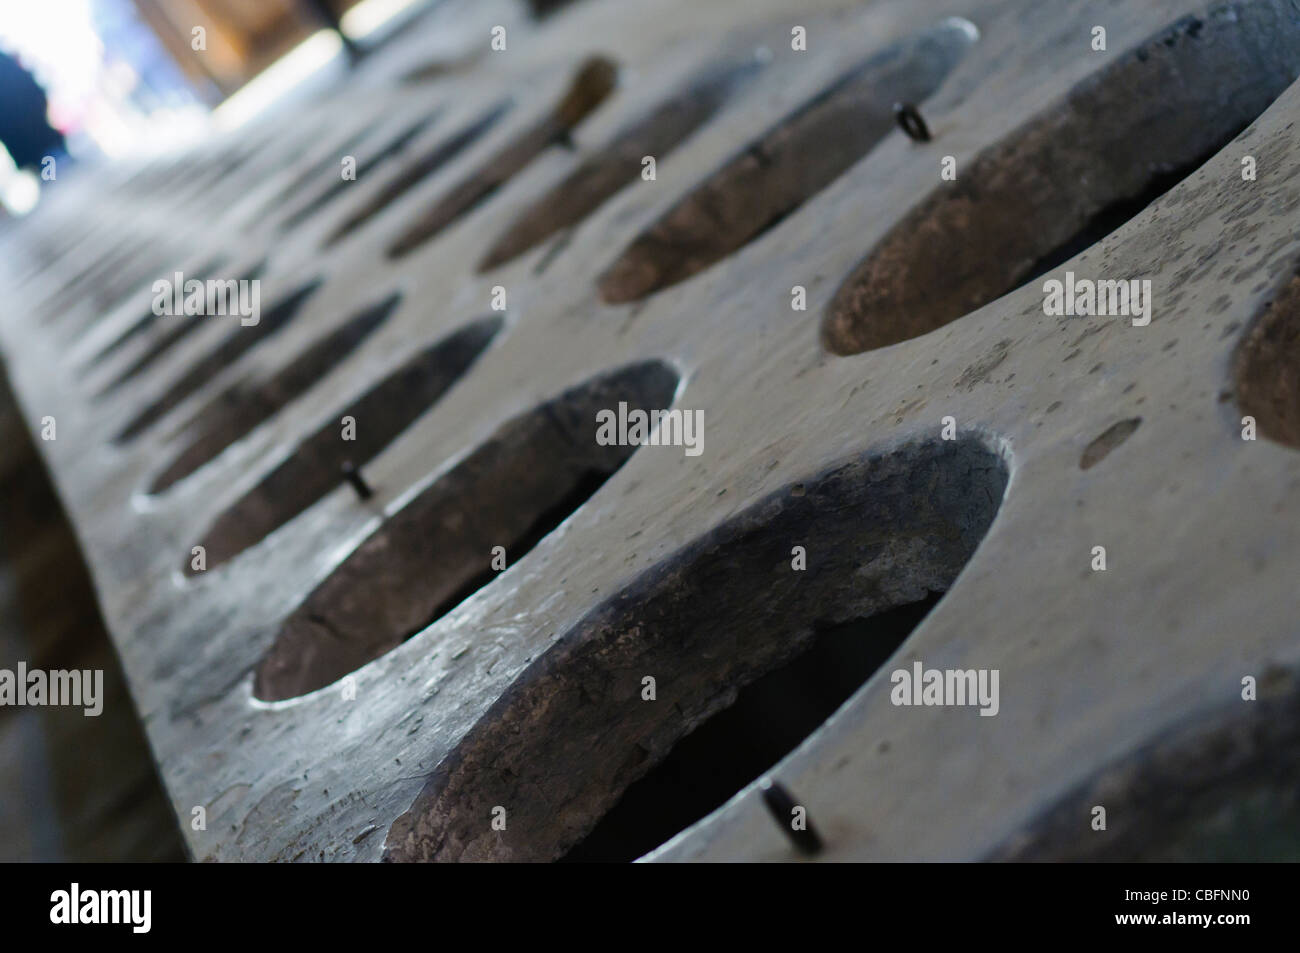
90 79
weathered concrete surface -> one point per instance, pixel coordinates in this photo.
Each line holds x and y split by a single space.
1103 674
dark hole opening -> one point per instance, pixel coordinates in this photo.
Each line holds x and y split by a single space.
591 86
1121 139
584 488
772 177
318 169
418 171
241 408
571 735
339 185
140 325
381 414
525 480
1118 213
768 720
604 175
182 326
238 343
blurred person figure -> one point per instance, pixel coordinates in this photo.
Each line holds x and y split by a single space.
24 128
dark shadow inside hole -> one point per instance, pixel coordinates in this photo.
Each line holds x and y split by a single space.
241 408
770 718
314 468
142 323
238 343
113 291
571 733
1220 785
182 326
522 482
583 489
619 163
440 67
339 184
63 300
772 177
419 170
1118 213
318 169
1071 175
591 85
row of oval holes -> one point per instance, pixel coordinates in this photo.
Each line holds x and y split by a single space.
939 269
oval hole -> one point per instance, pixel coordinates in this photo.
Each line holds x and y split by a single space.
571 734
182 326
238 343
110 295
329 162
768 720
1217 786
590 87
418 171
529 477
87 287
339 185
1266 368
313 470
774 175
236 412
601 177
1120 139
139 326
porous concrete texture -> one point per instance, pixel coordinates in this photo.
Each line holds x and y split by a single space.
823 429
